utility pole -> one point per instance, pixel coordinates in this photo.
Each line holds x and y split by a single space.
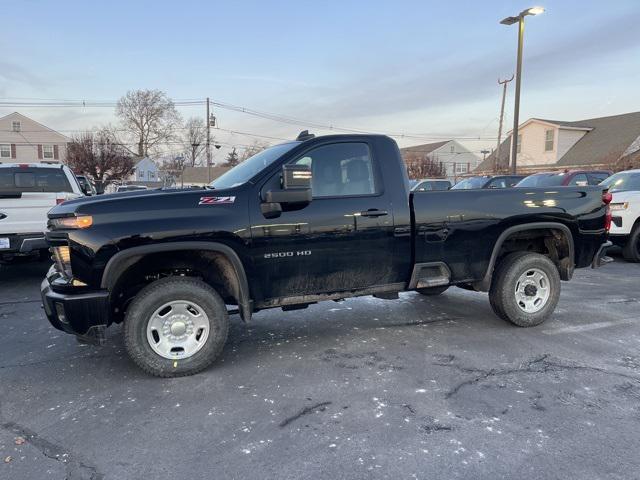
208 150
496 158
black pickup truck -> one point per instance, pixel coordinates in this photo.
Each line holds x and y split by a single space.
319 218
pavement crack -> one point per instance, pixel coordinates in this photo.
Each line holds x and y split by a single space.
75 468
541 364
305 411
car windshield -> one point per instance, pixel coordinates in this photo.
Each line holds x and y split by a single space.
543 180
623 181
243 172
470 183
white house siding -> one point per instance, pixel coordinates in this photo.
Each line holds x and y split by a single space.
459 156
146 170
532 150
29 145
567 139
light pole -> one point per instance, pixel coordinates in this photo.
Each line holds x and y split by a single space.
516 110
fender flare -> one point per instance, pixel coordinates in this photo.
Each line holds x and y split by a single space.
124 259
485 283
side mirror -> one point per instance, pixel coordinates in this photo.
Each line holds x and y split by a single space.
296 186
295 191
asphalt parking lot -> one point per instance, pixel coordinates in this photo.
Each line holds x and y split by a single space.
413 388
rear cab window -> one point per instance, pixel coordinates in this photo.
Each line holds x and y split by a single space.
23 180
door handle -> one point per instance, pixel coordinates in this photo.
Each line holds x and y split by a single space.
373 212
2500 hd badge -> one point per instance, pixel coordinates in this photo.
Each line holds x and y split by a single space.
299 253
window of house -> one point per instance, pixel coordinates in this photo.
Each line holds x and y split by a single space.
548 140
5 151
47 151
519 144
461 168
452 148
340 169
16 126
151 174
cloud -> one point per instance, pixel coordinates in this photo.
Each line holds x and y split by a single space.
556 62
13 73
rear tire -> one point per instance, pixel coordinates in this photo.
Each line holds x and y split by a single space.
175 326
525 289
433 291
631 249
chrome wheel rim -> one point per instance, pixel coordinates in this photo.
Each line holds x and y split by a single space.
178 329
532 290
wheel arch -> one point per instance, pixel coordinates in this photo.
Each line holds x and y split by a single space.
123 260
565 264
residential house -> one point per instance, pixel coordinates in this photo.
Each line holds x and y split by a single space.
611 143
146 171
456 159
23 140
198 176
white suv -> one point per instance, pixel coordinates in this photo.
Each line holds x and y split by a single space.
625 210
27 192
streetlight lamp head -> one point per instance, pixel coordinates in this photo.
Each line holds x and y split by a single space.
533 11
510 20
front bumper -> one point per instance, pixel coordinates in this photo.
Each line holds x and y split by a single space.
22 243
601 257
85 315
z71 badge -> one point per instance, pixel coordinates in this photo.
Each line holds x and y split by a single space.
216 200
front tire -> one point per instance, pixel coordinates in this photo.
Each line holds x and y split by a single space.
631 249
525 289
176 326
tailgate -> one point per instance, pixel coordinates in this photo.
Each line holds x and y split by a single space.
27 213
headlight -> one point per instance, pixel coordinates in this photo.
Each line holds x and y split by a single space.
81 221
619 206
62 258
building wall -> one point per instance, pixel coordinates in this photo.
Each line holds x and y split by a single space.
31 143
455 157
567 139
146 171
532 145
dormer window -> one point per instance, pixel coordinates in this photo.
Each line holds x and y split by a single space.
16 126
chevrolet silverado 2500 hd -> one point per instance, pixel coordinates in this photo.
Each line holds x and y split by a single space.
319 218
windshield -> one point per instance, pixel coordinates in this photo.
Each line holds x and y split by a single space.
34 180
470 183
543 180
622 181
243 172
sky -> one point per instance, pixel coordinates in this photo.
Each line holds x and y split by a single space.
426 69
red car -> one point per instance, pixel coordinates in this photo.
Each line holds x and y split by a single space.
567 178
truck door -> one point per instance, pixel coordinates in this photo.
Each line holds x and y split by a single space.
342 240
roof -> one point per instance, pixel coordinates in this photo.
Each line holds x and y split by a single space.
424 148
45 128
199 174
606 141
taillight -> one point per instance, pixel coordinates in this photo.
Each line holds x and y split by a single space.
606 199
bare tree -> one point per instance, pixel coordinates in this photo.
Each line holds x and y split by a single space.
423 166
251 150
194 137
149 117
99 156
173 168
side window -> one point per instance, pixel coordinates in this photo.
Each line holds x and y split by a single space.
580 180
340 170
497 183
596 178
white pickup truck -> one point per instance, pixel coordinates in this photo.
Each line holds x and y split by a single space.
27 192
625 211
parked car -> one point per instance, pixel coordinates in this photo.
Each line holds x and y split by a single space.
86 186
625 210
27 192
301 222
130 188
428 184
487 181
566 178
